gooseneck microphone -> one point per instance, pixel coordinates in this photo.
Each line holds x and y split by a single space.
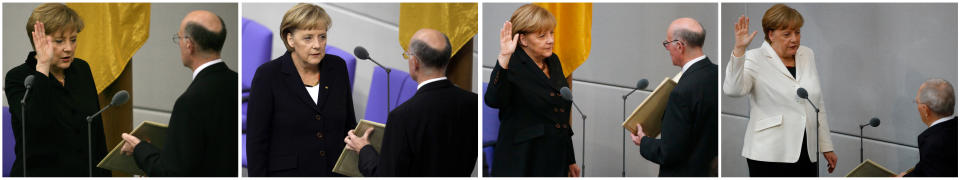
28 84
119 98
641 84
567 95
803 94
874 122
362 54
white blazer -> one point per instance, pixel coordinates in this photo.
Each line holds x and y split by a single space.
778 117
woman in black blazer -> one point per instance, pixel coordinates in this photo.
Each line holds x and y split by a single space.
535 134
300 105
62 94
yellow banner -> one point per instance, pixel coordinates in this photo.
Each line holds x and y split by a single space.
457 20
112 33
572 34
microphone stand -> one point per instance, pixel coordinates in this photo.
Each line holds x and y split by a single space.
817 110
23 130
623 143
90 140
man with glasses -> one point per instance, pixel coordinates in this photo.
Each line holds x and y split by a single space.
202 134
434 133
688 141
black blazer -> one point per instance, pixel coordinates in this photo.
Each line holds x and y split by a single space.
938 151
201 136
290 135
688 141
432 134
535 135
57 132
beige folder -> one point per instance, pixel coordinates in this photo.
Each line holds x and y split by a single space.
347 163
147 131
870 169
649 112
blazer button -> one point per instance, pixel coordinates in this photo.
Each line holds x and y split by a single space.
318 117
323 153
564 126
557 126
556 110
551 94
561 110
320 135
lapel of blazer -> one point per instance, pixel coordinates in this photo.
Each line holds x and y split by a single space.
803 64
530 66
774 60
293 82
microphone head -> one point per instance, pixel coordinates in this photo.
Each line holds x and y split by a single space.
566 94
874 122
642 83
802 93
28 82
120 98
361 53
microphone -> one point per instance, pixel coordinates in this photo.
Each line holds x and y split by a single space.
27 83
803 94
567 95
362 54
641 84
874 122
119 98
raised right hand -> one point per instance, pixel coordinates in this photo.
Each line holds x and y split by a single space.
743 36
43 47
507 44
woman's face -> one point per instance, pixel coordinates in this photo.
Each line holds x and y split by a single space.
64 43
785 41
538 45
308 45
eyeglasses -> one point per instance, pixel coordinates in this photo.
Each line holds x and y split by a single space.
176 38
407 55
665 42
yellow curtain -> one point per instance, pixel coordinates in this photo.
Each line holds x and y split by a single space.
457 20
572 34
112 33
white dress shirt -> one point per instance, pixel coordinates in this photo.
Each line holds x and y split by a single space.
204 65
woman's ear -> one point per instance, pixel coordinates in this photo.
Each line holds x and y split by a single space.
290 39
523 41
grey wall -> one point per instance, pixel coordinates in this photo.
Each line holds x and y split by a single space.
625 47
159 77
372 25
871 59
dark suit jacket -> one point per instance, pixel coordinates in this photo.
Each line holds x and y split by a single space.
57 128
290 135
688 143
938 151
432 134
535 135
202 134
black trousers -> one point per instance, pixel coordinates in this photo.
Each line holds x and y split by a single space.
802 168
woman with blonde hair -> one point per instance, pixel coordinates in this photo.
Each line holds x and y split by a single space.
783 126
300 105
61 95
535 134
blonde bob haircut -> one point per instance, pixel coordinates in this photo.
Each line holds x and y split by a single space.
531 18
778 17
56 17
303 16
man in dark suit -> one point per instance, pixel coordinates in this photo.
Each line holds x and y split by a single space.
432 134
938 144
688 144
202 134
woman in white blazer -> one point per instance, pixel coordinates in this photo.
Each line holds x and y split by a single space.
779 140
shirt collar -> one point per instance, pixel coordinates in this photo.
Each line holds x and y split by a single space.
430 81
204 65
691 62
944 119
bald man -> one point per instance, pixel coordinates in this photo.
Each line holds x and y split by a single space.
202 134
432 134
938 143
688 141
